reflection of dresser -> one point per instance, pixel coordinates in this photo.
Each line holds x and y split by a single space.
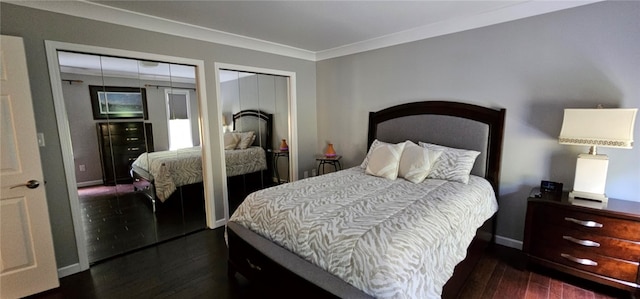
120 144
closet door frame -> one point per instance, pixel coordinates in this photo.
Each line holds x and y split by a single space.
64 134
291 121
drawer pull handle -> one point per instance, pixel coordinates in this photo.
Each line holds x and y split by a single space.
133 148
587 243
583 222
253 266
132 138
131 129
586 262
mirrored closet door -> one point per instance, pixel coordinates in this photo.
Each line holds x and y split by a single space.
254 104
136 147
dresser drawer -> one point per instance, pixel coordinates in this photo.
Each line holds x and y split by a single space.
134 149
588 261
562 237
123 128
554 216
599 244
123 140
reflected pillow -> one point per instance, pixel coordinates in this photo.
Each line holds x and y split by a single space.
416 162
453 165
384 160
230 140
246 138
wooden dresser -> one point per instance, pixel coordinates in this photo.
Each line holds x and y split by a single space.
601 245
120 144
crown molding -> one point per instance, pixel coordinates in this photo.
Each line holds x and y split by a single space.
96 11
108 14
513 12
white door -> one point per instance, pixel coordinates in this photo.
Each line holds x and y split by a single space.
27 260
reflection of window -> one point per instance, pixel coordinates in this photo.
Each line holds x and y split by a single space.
179 118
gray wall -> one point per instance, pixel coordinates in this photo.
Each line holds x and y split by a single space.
533 67
36 26
83 127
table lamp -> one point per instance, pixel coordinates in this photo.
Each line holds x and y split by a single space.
594 128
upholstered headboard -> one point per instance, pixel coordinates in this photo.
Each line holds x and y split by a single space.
258 121
451 124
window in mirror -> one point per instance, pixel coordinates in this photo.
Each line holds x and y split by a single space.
179 119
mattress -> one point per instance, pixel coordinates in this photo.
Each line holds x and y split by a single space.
171 169
243 161
388 238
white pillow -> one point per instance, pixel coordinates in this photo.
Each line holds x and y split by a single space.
246 138
366 159
384 160
416 162
453 165
230 140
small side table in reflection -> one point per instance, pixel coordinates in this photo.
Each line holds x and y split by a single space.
324 160
276 155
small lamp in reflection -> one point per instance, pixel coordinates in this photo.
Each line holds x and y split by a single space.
330 152
284 146
225 127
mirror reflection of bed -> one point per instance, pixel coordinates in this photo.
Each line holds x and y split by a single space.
163 176
117 215
253 103
248 154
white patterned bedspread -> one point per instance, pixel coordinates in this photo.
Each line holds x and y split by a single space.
243 161
172 169
389 238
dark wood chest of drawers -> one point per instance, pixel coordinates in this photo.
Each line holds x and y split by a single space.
120 144
602 245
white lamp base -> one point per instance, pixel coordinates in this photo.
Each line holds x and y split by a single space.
591 177
577 195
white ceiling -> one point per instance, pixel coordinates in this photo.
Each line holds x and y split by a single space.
310 25
312 30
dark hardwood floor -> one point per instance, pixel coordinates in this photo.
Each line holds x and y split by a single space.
195 266
118 220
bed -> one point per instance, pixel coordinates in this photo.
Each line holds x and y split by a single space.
361 236
160 174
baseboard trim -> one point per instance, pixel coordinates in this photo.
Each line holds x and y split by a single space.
504 241
89 183
69 270
219 223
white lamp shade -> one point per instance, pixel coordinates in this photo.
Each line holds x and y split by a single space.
598 127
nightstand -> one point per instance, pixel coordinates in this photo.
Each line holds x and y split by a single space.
601 245
276 155
333 161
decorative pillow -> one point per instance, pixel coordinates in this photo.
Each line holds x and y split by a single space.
366 159
384 160
453 165
246 138
230 140
416 162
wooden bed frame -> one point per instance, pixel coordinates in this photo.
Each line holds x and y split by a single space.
266 138
142 184
273 267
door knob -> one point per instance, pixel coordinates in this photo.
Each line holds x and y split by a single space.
32 184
